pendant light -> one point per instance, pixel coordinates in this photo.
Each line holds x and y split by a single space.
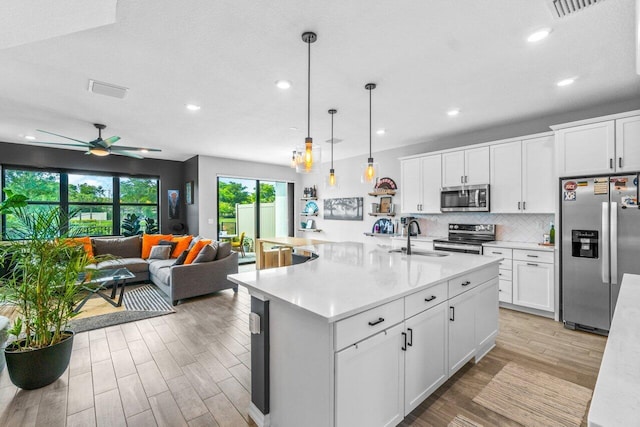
331 179
370 169
294 159
310 155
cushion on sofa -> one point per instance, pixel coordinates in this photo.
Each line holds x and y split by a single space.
149 240
206 254
194 241
125 247
156 264
195 250
160 252
182 244
169 243
224 250
163 275
182 257
85 242
134 265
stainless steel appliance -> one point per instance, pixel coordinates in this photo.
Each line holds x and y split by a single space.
467 198
600 242
466 238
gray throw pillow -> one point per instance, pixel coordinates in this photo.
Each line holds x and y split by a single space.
160 252
182 257
224 250
206 254
193 241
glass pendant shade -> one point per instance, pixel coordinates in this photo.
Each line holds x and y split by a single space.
369 172
308 153
331 181
316 158
294 160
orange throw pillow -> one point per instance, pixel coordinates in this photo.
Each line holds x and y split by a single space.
85 242
149 240
182 245
195 250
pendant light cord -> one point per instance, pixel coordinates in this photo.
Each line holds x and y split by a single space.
309 91
331 140
370 122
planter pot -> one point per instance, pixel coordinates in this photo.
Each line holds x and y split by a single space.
37 368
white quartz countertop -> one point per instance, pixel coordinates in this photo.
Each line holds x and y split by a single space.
519 245
348 277
616 398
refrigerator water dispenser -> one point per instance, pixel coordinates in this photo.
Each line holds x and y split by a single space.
584 243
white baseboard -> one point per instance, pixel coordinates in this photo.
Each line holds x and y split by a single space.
258 417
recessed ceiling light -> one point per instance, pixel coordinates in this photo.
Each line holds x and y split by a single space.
193 107
541 34
453 112
293 128
381 131
30 137
566 82
283 84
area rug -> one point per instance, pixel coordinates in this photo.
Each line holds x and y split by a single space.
462 421
248 258
533 398
139 303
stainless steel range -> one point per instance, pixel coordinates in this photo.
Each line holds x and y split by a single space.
466 238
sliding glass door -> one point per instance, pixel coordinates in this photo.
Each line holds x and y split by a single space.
255 208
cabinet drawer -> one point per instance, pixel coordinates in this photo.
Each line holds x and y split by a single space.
471 280
499 252
420 301
505 292
535 256
505 274
358 327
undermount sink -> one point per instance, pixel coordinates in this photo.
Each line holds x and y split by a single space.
421 253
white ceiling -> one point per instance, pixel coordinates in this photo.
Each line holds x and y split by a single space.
225 55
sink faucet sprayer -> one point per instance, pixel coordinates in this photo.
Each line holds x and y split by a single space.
413 221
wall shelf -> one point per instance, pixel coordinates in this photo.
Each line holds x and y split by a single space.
314 230
383 193
309 214
308 198
382 214
381 234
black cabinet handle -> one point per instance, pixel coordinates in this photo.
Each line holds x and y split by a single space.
404 346
410 343
452 314
610 163
431 298
467 283
497 253
532 264
619 162
380 320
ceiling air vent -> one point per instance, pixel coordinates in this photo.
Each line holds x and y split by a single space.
107 89
335 140
563 8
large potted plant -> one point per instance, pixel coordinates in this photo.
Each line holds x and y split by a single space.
41 280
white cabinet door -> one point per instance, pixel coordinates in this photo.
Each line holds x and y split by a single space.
453 169
462 333
486 315
476 165
426 356
411 185
370 381
587 149
533 285
431 183
628 144
538 175
506 177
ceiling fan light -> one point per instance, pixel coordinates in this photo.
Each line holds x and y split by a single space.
144 150
99 151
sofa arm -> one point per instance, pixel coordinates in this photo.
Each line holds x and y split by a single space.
202 278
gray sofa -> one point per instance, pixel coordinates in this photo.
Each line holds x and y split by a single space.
177 281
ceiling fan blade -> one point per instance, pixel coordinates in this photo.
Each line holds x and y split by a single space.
109 141
65 137
60 143
120 147
124 153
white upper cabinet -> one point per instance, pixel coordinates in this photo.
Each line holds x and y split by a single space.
506 177
587 149
628 144
420 180
522 176
465 167
538 175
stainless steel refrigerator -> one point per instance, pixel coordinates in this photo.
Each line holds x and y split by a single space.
600 242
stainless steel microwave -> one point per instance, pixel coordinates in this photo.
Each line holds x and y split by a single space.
467 198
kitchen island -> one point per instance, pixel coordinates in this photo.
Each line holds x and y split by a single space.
362 335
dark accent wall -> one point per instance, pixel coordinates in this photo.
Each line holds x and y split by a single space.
190 173
170 173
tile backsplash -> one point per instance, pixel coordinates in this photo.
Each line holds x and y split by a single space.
509 227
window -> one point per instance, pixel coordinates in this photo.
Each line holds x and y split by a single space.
98 203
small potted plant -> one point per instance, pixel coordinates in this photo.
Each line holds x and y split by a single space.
41 280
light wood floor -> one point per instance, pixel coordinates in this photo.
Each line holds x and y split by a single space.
193 368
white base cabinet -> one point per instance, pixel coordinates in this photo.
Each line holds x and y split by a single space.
533 285
370 381
462 332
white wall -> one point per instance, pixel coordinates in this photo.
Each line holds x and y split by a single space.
209 168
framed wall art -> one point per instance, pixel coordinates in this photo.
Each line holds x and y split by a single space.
188 192
344 208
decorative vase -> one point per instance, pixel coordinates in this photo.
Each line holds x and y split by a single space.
38 368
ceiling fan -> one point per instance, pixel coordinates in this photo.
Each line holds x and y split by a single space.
99 146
